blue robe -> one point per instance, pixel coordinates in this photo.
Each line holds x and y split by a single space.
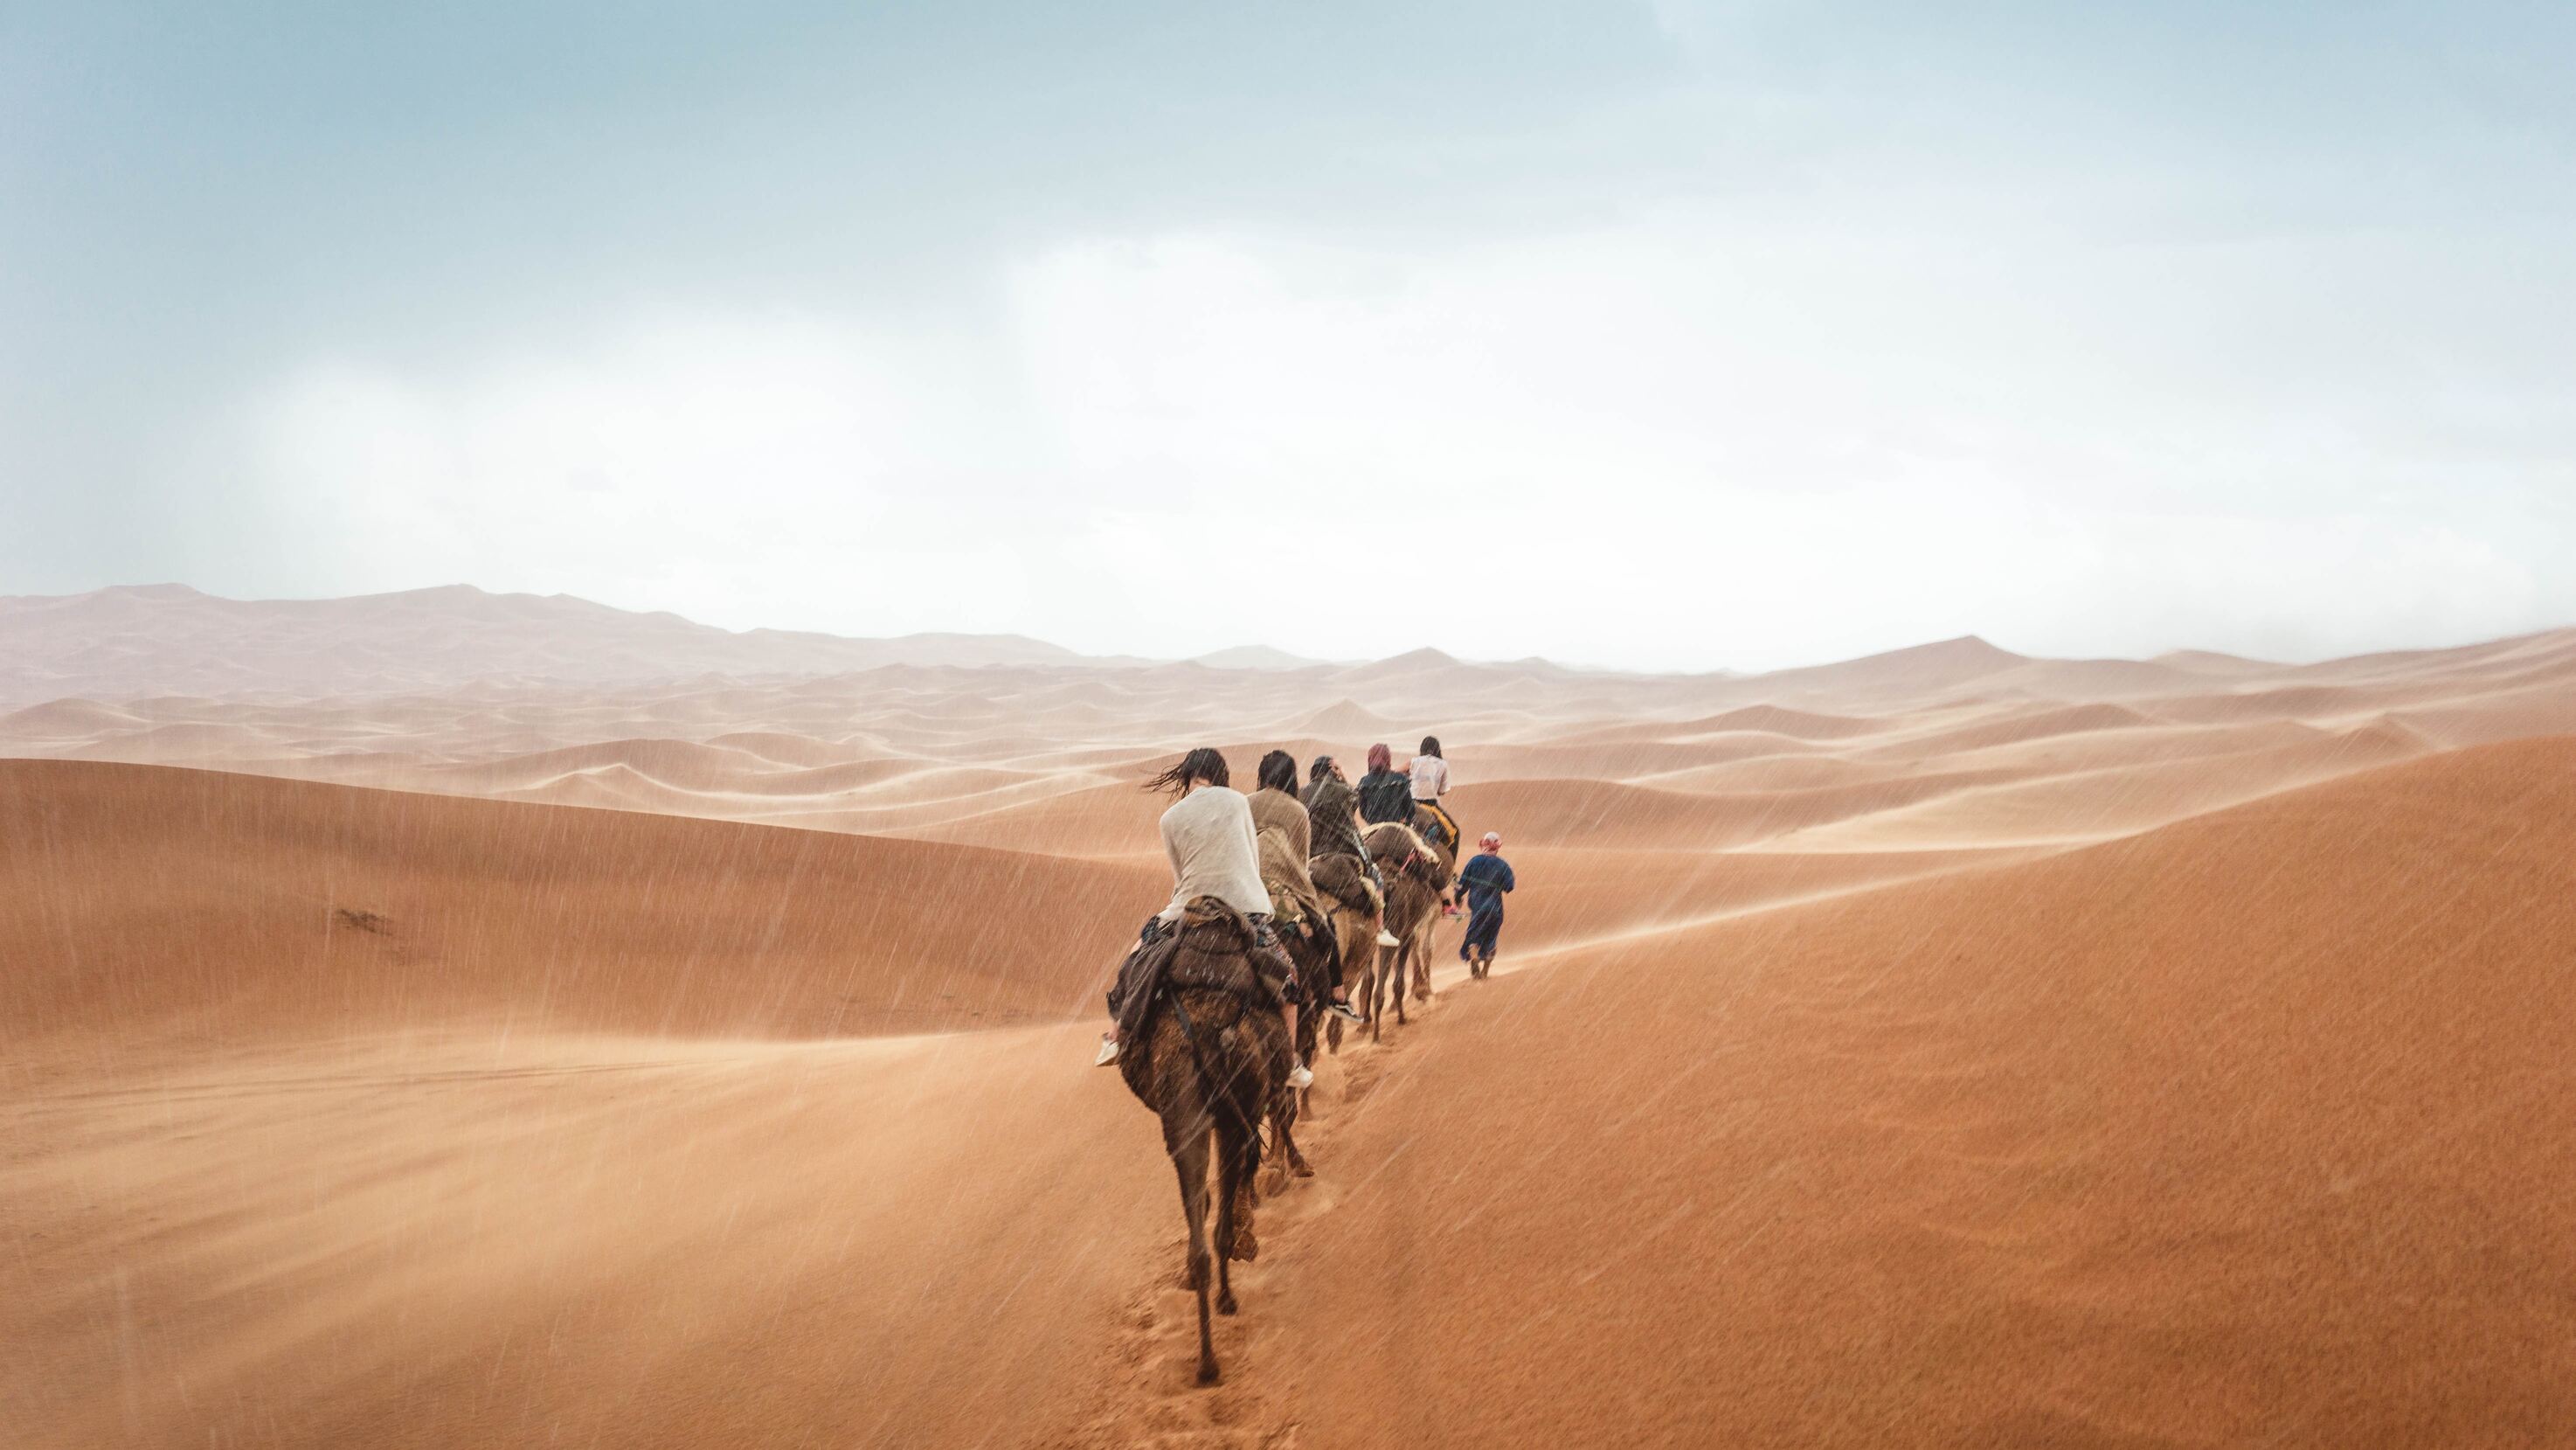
1485 880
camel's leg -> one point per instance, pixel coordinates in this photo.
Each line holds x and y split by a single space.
1189 1150
1285 1109
1363 982
1332 1023
1231 1185
1283 1121
1377 993
1310 1044
1403 959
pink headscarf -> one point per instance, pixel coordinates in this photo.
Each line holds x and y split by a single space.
1381 758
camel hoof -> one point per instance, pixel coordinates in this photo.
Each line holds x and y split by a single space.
1301 1169
1207 1371
1225 1303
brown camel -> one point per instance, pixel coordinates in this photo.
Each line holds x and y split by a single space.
1418 941
1215 1063
1313 954
1354 933
1416 872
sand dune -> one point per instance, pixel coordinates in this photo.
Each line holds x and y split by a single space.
2016 729
430 1242
2114 801
1945 1048
288 908
2101 1149
1777 720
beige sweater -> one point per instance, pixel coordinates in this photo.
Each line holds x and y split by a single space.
1281 827
1208 836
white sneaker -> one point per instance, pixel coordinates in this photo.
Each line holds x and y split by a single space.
1387 938
1299 1077
1108 1051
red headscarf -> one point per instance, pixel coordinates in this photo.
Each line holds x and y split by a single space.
1381 758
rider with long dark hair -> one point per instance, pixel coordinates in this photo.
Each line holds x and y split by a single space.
1284 833
1340 863
1208 836
1385 795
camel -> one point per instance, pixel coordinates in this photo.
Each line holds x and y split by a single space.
1419 940
1416 872
1314 957
1355 936
1215 1062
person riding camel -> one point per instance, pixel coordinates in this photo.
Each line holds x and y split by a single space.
1325 768
1338 842
1208 836
1283 831
1429 775
1485 881
1427 779
1385 795
1340 863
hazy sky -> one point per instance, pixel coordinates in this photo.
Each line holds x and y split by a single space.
1660 335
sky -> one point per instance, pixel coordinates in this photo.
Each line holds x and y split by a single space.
1664 335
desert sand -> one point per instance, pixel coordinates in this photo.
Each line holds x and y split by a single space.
446 1045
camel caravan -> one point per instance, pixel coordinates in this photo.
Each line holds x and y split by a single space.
1294 911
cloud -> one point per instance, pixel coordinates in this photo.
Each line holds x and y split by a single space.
1692 440
750 469
1697 441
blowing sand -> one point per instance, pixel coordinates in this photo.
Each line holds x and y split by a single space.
1941 1049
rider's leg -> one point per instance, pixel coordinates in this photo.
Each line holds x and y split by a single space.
1265 939
1377 909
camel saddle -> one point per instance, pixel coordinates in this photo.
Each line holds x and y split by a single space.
1212 948
1345 880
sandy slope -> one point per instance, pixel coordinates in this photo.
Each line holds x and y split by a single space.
1942 1048
152 901
2238 1132
433 1241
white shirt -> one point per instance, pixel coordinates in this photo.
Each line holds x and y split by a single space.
1430 777
1208 835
